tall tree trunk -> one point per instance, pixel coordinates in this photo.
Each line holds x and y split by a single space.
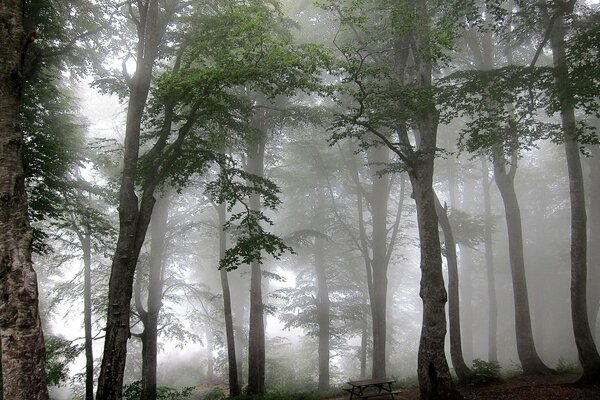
435 381
23 350
322 314
256 340
460 367
210 359
158 232
379 265
593 239
586 348
234 387
530 360
86 244
489 263
133 218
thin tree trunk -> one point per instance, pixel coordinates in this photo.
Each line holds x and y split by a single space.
87 313
234 387
158 231
489 263
586 348
322 314
460 367
364 343
256 340
379 265
23 350
530 360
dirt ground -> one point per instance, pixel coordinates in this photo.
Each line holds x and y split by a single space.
524 388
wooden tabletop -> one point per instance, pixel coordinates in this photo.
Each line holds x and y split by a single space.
372 382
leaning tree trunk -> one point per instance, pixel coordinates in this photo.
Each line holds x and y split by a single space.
134 218
586 348
456 354
234 387
530 360
23 350
256 339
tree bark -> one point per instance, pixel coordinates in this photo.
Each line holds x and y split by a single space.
134 218
150 316
323 311
379 265
489 263
364 344
234 387
593 239
23 350
528 356
256 339
586 348
86 245
460 367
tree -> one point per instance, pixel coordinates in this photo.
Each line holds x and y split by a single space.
555 16
406 75
23 353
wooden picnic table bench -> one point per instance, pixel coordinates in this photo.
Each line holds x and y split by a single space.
372 388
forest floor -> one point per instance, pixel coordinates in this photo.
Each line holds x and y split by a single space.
554 387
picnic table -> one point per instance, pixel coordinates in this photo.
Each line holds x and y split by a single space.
380 388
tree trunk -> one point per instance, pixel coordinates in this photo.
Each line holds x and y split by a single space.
435 381
530 360
364 343
23 350
86 245
155 295
586 348
322 314
234 387
489 263
593 239
460 367
379 265
133 218
256 340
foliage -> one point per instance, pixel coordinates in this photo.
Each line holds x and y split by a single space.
485 372
59 354
133 391
216 393
563 367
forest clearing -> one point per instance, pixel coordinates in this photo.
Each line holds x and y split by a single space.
256 199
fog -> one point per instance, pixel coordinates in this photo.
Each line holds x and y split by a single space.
281 197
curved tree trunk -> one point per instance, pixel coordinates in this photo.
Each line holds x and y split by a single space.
489 263
586 348
23 350
234 387
528 356
460 367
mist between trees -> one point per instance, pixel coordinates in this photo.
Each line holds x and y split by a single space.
218 198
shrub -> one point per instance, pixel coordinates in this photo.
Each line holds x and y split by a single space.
484 372
564 368
133 391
